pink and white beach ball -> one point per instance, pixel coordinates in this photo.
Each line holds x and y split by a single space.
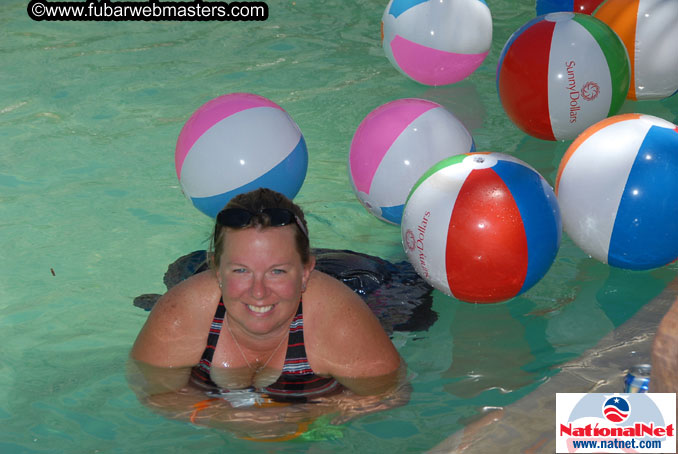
437 42
617 186
237 143
394 145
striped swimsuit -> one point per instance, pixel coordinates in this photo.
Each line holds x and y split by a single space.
297 382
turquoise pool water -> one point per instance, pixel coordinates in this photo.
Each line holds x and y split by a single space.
91 214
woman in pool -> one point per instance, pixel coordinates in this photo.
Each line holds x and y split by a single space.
261 330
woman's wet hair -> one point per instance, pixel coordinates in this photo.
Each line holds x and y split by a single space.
255 202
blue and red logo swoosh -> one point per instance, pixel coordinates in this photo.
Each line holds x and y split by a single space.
616 409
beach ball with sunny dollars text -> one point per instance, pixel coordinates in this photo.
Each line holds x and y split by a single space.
560 73
482 227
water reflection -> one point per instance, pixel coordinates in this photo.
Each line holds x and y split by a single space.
255 416
511 346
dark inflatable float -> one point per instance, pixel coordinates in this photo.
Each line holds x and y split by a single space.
395 293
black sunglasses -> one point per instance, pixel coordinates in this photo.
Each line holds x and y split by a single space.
240 217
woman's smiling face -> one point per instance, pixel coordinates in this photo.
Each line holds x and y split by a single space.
262 277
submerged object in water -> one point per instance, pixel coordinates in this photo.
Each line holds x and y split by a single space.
396 294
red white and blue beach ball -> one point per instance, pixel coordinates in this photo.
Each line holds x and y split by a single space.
237 143
482 227
394 145
560 73
617 186
436 42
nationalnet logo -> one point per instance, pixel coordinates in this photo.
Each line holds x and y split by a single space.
642 422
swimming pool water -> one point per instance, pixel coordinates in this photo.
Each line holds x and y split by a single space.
91 214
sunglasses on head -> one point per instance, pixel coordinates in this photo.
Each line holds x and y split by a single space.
240 217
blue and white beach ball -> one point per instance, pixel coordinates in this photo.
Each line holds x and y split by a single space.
237 143
437 42
394 145
482 227
617 186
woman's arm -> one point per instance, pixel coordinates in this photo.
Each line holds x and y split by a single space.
346 341
349 405
171 342
175 333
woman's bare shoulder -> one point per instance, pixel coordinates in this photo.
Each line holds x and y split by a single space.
177 327
197 292
326 298
346 338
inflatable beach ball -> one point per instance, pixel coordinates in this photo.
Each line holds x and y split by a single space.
617 186
436 42
560 73
649 30
237 143
482 227
394 145
575 6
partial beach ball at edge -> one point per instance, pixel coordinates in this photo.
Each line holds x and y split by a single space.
394 145
575 6
649 30
436 42
617 186
237 143
482 227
